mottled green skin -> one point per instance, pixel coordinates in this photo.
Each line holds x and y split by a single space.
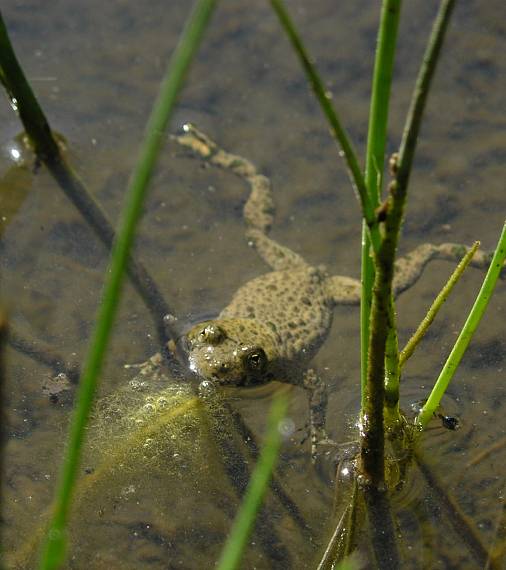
276 323
286 314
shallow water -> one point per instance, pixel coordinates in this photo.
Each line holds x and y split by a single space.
96 69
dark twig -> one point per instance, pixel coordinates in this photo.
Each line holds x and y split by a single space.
44 353
23 100
48 151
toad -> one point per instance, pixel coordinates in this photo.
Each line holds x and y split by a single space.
276 323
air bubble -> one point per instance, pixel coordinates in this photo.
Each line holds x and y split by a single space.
162 402
286 427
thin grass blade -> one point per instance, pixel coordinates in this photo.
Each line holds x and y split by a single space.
472 322
54 548
418 335
257 487
336 127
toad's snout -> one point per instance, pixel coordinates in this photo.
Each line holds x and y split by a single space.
208 366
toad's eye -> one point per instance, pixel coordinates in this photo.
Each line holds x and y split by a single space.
211 333
256 360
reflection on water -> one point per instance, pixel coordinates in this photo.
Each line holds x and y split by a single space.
246 90
15 181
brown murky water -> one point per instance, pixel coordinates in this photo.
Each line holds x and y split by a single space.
96 69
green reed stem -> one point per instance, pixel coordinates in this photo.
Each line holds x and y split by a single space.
54 548
421 92
474 318
373 344
259 483
399 186
375 157
418 335
339 132
380 98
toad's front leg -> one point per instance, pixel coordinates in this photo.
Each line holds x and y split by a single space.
343 290
317 392
409 268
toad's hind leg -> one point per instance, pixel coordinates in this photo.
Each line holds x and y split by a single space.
259 208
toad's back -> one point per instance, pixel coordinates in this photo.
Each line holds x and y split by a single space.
293 303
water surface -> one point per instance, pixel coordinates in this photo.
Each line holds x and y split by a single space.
96 69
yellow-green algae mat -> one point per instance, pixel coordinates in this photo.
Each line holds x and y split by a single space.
153 483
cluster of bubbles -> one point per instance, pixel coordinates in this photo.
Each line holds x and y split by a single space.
140 424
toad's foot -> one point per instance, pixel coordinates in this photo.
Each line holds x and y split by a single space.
148 372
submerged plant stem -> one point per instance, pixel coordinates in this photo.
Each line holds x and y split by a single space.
257 487
54 551
472 322
44 353
341 543
381 528
48 151
23 100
